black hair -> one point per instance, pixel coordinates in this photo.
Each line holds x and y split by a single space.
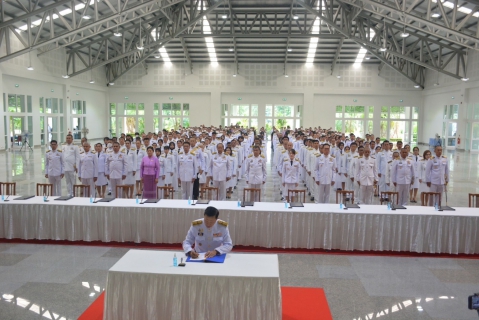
53 141
212 212
150 147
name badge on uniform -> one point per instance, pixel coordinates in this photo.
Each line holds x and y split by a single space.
200 232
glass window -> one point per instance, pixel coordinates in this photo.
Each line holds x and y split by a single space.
156 107
186 122
338 125
370 112
29 104
370 127
166 109
283 111
476 111
141 109
41 109
254 123
84 106
254 110
269 111
355 126
5 106
112 109
141 125
415 113
414 133
339 111
224 110
454 112
176 109
240 110
354 112
384 112
12 103
383 132
130 110
186 111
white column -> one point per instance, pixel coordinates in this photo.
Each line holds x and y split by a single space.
2 115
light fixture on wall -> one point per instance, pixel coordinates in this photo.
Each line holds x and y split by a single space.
17 85
140 45
240 98
284 99
117 33
30 67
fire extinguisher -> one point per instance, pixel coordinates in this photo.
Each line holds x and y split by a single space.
459 140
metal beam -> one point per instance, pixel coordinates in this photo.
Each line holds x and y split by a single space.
336 55
187 55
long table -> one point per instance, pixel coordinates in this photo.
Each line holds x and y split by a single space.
144 285
269 225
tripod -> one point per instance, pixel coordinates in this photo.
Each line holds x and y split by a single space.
25 143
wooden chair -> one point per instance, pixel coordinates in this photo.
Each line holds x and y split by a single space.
8 188
164 192
254 195
208 193
427 197
344 195
296 195
122 192
81 190
44 189
473 200
391 195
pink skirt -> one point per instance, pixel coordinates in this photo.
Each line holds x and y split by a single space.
149 187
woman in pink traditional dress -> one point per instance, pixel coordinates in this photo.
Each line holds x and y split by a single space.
149 173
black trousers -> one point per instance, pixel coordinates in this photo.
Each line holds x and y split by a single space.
196 188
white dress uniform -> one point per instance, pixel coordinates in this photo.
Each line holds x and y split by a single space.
233 162
208 239
353 164
187 170
54 168
165 169
71 157
382 160
403 174
171 160
87 170
341 162
219 170
290 175
324 170
116 165
255 171
416 162
101 180
366 174
422 177
207 157
437 173
140 153
132 166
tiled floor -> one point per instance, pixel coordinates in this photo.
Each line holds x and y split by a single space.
60 282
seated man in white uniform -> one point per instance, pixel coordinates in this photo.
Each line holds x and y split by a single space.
209 235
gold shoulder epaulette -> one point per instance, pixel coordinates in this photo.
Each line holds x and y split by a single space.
262 156
197 222
360 157
82 152
123 151
443 156
296 159
49 151
59 150
192 153
332 156
390 161
283 151
250 155
286 160
223 223
94 152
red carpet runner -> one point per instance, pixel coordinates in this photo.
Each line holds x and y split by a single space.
298 304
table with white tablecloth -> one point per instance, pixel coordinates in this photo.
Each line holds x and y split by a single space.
144 284
266 224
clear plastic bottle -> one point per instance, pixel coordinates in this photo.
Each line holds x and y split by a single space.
175 261
389 205
91 199
3 197
238 204
189 200
137 201
340 205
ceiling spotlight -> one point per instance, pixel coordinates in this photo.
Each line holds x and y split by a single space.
435 15
338 76
111 83
382 49
140 46
117 34
157 56
86 17
417 86
92 81
224 16
404 35
367 57
290 49
65 76
231 49
295 17
30 68
286 75
234 75
464 79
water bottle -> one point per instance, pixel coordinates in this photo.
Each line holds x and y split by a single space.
286 204
137 201
189 203
3 197
44 198
238 204
436 207
389 205
91 199
341 205
175 261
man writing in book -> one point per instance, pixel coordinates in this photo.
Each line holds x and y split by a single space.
210 235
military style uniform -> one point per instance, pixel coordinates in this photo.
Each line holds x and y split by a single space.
290 175
324 169
219 171
71 157
403 175
116 165
208 239
88 169
255 171
437 173
187 170
366 175
54 168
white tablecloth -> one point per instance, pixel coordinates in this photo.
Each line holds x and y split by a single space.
145 285
270 225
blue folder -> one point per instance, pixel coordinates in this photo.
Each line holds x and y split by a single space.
215 259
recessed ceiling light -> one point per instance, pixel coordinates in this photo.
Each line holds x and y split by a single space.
464 79
286 76
435 15
404 35
367 58
86 17
140 47
65 76
30 68
234 75
111 84
230 49
224 16
157 56
382 49
290 49
92 81
117 34
338 76
417 86
295 17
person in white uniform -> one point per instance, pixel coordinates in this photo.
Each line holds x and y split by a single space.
437 173
256 170
71 157
88 168
101 181
366 176
131 168
116 165
209 235
416 162
140 151
219 171
422 172
290 174
54 168
187 171
324 169
403 177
